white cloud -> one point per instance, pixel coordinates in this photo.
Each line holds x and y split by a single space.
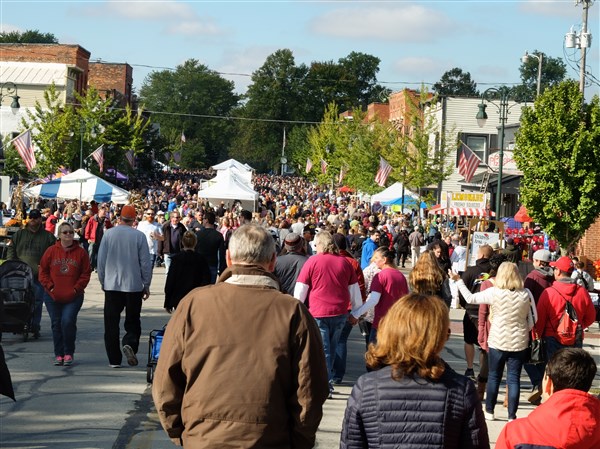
8 28
564 8
407 24
420 68
178 18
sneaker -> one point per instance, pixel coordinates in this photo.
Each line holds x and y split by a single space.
58 361
470 373
535 395
68 360
130 355
115 366
488 416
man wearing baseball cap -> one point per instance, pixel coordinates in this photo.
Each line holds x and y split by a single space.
551 305
288 265
125 273
29 244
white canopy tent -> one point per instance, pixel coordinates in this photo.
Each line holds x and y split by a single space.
393 192
231 166
81 185
229 189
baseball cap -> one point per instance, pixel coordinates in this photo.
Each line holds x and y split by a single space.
542 254
128 212
35 213
564 264
310 228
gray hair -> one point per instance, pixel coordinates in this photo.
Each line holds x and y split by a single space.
251 244
324 239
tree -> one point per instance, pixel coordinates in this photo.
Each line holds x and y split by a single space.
359 82
554 71
558 151
27 37
455 82
195 100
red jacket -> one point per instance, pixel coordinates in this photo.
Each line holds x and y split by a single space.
65 272
92 226
551 306
569 419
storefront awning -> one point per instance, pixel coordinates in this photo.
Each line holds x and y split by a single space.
461 211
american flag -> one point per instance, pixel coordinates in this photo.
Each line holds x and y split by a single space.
343 171
25 149
130 158
324 167
98 156
167 156
308 165
467 163
177 156
384 171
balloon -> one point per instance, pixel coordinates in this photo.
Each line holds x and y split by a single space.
521 231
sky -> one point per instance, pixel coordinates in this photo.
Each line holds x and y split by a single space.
417 41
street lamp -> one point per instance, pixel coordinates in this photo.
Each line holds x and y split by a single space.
11 91
539 57
482 116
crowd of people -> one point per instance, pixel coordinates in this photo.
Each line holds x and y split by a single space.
275 293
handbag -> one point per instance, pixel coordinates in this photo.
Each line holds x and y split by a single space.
537 349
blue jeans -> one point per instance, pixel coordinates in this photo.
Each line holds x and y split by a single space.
39 294
64 324
167 260
553 345
331 329
514 362
535 373
341 353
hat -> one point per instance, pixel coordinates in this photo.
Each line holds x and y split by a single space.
34 213
542 254
293 241
128 212
564 264
160 212
310 228
495 246
510 241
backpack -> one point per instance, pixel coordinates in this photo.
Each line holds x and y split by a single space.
568 330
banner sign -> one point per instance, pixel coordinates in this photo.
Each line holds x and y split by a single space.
479 239
509 166
473 200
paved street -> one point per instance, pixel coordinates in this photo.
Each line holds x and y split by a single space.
91 406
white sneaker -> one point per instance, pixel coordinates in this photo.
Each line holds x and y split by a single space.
488 416
115 366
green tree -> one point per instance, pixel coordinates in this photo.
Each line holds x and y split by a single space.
554 71
27 37
359 82
455 82
558 151
195 100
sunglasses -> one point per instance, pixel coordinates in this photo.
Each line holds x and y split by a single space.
68 232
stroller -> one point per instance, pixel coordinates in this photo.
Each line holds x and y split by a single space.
17 298
154 343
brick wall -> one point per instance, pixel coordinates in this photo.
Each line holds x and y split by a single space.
589 246
114 80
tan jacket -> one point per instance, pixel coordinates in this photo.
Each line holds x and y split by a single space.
241 365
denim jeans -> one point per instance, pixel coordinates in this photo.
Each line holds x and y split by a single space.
553 345
64 323
93 253
341 353
331 328
114 303
167 260
39 294
535 373
514 362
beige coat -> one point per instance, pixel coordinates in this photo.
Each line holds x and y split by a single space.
241 365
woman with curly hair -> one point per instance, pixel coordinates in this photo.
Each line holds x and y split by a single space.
427 277
413 398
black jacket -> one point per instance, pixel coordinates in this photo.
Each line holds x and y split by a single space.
166 243
211 245
188 270
469 277
414 413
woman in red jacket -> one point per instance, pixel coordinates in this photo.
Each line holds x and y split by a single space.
64 273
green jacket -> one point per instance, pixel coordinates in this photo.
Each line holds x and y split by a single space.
30 246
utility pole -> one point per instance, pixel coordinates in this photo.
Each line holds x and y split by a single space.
584 42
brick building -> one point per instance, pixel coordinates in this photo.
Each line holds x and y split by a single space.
112 80
589 246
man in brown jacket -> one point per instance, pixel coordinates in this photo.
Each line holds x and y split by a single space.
242 364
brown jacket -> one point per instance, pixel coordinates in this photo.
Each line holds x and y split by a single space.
241 365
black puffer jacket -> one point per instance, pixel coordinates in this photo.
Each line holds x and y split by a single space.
414 413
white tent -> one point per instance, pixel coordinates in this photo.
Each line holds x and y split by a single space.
80 185
393 192
233 167
229 189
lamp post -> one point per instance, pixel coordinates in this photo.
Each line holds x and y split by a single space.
539 57
11 91
481 116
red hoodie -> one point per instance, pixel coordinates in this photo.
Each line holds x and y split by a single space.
569 419
65 272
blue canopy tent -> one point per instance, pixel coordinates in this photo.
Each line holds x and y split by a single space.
409 201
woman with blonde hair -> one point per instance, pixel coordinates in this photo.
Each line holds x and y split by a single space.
514 314
413 398
428 278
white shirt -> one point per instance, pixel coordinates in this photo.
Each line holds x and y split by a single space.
149 229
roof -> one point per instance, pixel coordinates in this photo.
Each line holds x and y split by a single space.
33 73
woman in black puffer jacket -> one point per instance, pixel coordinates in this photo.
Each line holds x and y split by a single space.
413 398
